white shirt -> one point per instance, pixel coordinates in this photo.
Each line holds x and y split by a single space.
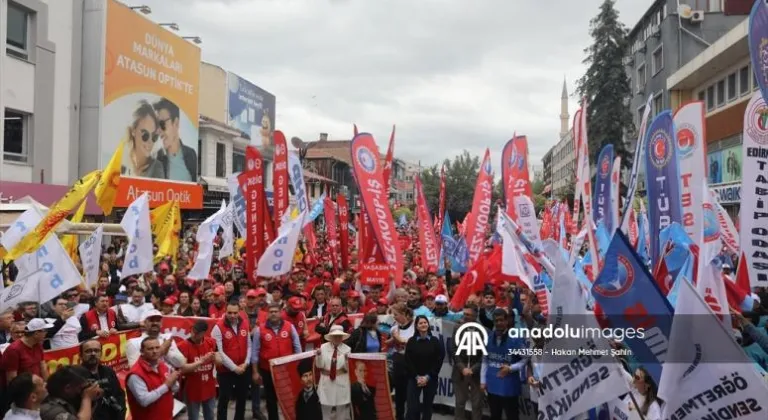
133 313
174 357
333 393
405 335
21 414
67 335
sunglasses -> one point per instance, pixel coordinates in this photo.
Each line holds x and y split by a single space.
162 123
146 135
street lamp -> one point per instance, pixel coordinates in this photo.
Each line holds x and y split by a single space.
172 26
195 39
143 9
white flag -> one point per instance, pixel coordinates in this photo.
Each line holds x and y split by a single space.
576 244
563 380
227 223
526 219
278 257
237 199
511 254
22 290
50 264
138 257
90 254
296 175
728 232
205 234
706 372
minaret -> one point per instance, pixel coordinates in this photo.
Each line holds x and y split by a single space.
564 117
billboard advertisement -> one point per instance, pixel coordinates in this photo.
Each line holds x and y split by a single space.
715 166
731 159
150 103
251 110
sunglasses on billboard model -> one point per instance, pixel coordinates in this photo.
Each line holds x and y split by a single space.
146 136
163 123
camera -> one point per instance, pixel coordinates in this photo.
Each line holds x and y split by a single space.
107 401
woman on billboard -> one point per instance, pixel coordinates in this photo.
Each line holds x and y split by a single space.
140 142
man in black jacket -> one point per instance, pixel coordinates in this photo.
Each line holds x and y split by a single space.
466 374
112 403
307 402
179 161
363 396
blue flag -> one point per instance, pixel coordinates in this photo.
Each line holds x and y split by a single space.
630 299
317 209
451 246
662 180
603 238
601 202
642 249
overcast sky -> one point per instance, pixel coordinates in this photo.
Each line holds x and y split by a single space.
452 74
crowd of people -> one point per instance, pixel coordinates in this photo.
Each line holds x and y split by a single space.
260 320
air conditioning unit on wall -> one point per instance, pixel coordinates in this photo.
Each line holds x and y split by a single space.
697 16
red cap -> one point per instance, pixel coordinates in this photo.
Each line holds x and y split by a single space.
382 301
219 290
295 303
163 266
327 275
431 295
261 291
353 294
251 293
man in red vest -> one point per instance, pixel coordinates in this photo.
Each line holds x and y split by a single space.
100 321
150 384
233 340
335 316
200 384
274 338
294 313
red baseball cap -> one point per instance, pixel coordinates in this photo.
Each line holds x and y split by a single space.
296 303
382 301
261 291
219 290
354 294
169 301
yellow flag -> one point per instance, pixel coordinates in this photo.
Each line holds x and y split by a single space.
106 189
70 241
167 236
37 237
159 217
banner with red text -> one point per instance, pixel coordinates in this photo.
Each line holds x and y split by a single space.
514 172
341 203
441 204
427 241
477 225
280 178
329 211
252 183
691 153
375 195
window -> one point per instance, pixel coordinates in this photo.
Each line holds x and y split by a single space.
715 6
15 143
732 91
721 92
658 104
658 59
640 76
238 161
221 160
18 25
702 95
711 98
744 80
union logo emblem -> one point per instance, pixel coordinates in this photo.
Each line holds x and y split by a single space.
686 140
660 148
756 120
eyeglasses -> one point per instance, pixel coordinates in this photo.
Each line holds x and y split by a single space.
162 123
146 135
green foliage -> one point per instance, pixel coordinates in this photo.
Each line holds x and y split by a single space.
402 210
605 85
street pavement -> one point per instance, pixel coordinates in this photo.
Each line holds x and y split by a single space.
231 414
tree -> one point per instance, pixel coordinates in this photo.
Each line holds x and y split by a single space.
460 178
605 85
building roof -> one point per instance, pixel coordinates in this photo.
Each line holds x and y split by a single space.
222 126
333 149
651 9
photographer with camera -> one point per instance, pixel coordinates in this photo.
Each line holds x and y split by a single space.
111 405
71 395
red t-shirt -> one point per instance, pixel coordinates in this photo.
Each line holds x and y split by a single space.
200 385
20 358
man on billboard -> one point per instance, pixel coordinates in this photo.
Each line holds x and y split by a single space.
307 403
179 161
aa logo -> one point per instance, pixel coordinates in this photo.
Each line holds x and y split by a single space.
470 339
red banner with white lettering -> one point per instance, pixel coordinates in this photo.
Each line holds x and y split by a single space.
280 178
441 206
372 274
475 228
341 203
329 211
427 240
252 183
375 195
514 173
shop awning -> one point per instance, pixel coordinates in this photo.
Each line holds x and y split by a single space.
215 184
45 194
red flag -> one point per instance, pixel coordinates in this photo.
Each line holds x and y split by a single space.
252 183
475 228
341 203
634 231
441 205
427 240
514 172
280 178
368 173
735 293
742 274
473 282
546 224
387 171
330 230
661 273
269 228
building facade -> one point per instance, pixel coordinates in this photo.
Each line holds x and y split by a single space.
401 186
563 153
721 77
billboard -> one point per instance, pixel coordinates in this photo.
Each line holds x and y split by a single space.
251 110
715 167
150 102
731 160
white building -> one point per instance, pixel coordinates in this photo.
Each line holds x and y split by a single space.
563 154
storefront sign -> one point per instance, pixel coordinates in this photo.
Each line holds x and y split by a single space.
727 194
190 196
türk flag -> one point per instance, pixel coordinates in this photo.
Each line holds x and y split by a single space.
662 179
374 194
